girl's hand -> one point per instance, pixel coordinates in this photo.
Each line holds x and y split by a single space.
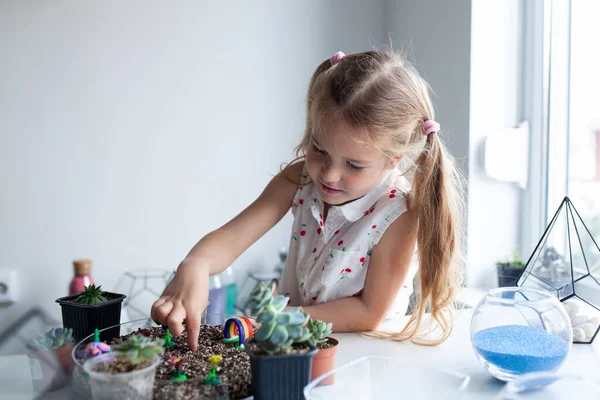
185 297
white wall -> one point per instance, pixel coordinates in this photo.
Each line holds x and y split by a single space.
128 130
494 207
437 36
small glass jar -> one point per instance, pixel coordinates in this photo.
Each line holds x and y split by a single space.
517 330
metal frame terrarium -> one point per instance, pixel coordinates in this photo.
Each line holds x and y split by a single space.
566 262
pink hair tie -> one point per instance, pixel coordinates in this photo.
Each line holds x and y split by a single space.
337 57
430 126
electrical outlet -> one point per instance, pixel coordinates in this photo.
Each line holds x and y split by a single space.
9 289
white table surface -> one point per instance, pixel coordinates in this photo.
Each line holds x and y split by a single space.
456 355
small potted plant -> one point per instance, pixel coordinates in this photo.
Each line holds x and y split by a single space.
281 351
324 360
53 352
90 309
128 371
510 271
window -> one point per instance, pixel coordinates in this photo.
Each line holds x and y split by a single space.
561 100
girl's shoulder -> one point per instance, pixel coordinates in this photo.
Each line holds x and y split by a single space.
295 172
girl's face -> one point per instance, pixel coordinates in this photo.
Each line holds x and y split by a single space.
342 169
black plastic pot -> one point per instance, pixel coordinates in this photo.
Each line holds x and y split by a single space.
280 377
83 318
508 275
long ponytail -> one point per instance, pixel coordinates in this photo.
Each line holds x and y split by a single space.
435 197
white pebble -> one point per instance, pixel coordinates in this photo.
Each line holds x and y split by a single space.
578 335
579 319
588 328
572 308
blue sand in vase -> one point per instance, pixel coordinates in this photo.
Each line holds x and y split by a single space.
520 349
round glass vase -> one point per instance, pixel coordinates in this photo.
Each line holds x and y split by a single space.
517 330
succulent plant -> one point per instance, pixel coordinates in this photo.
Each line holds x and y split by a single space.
91 295
139 348
319 330
259 297
280 327
53 339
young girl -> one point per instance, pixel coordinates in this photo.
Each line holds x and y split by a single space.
375 197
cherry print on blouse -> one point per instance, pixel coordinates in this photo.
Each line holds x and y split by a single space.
314 298
318 231
336 232
367 212
393 193
341 242
301 201
344 272
373 227
362 261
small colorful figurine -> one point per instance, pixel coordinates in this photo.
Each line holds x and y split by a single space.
176 373
237 330
167 337
95 347
211 378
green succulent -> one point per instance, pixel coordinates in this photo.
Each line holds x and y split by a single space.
280 327
319 330
260 297
139 348
53 339
91 295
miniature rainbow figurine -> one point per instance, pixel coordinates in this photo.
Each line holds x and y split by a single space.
237 330
95 347
211 378
176 373
167 337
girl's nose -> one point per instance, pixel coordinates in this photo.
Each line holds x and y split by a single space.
330 173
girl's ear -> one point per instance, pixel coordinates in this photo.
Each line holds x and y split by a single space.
391 164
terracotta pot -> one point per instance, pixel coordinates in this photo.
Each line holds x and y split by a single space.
63 356
324 361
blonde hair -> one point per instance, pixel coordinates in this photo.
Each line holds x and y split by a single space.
385 98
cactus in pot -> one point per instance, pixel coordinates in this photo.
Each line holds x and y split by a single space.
91 295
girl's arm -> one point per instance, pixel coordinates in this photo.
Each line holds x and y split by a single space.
185 297
387 271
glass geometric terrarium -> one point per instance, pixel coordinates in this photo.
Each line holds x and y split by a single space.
566 262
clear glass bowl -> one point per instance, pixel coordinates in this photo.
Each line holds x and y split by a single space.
134 385
516 330
81 379
549 386
386 378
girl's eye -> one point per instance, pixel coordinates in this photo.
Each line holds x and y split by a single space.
355 167
318 150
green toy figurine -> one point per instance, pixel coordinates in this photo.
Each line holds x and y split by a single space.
211 378
176 373
167 337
